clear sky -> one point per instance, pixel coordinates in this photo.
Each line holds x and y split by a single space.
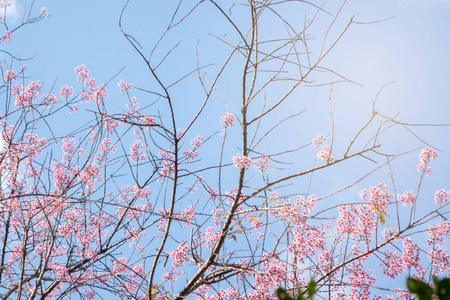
411 48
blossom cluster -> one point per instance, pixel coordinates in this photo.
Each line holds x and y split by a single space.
25 96
168 165
241 162
66 91
425 156
190 155
136 153
179 255
227 120
90 91
10 75
408 197
441 197
377 199
261 164
320 138
124 87
325 153
187 216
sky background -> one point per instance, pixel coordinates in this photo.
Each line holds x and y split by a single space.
411 48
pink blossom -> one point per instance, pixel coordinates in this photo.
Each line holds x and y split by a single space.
171 276
296 212
148 121
124 87
360 282
120 266
15 253
378 198
210 237
82 73
67 230
25 96
407 198
441 197
179 255
90 294
44 12
129 193
425 156
187 215
59 270
213 193
325 261
228 294
49 100
256 223
325 154
167 164
307 240
60 178
440 259
227 120
136 154
105 146
68 149
10 75
139 270
73 109
275 270
358 221
4 3
243 162
89 175
261 164
66 91
390 233
403 294
180 132
190 155
219 216
320 138
410 258
34 146
197 143
134 104
436 233
110 124
6 38
392 264
100 94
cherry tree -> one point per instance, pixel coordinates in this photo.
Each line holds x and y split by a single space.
147 197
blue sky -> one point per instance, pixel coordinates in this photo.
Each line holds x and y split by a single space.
411 48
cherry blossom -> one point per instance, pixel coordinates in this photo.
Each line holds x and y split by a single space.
441 197
124 87
10 75
320 138
426 155
44 12
241 162
66 91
